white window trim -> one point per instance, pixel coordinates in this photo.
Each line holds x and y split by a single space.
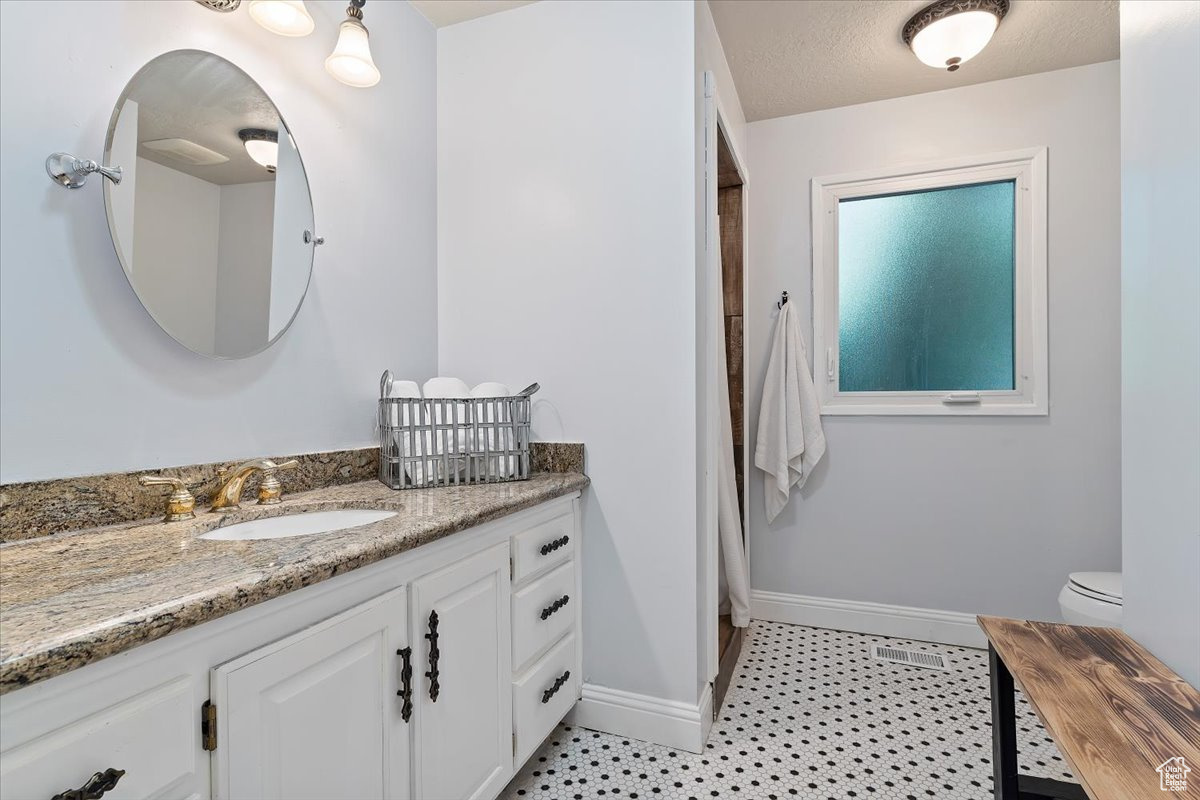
1031 394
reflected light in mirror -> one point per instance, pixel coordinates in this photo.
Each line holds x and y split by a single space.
284 17
351 61
262 146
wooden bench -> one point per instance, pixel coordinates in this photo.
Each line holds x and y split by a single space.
1116 712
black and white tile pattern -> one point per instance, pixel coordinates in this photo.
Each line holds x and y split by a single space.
810 715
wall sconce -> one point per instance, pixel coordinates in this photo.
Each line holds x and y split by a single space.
284 17
950 33
350 62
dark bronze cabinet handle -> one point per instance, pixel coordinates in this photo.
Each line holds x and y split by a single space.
434 654
558 684
405 683
95 788
555 606
550 547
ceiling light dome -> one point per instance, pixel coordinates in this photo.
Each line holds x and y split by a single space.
950 33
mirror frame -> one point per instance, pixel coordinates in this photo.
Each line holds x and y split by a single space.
108 210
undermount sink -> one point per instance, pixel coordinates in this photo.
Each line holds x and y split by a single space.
300 524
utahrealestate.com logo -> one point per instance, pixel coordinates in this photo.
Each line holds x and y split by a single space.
1172 775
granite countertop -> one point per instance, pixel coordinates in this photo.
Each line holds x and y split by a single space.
74 598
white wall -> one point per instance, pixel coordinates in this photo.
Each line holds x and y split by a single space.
176 238
566 226
1160 328
710 56
245 266
70 324
978 515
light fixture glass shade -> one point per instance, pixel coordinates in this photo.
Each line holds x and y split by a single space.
285 17
351 62
264 152
955 39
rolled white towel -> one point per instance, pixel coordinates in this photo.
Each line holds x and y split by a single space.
456 439
404 415
495 439
405 389
446 387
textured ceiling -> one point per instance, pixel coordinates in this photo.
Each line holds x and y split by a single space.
447 12
792 56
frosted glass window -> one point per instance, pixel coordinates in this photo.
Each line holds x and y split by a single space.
925 290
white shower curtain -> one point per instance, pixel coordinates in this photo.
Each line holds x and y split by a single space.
729 516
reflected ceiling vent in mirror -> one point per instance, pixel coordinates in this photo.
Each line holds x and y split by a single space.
186 151
950 33
262 146
284 17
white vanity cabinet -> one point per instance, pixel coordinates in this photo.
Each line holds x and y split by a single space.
304 696
464 707
319 713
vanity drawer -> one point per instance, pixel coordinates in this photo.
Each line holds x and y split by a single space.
543 546
537 705
542 612
152 736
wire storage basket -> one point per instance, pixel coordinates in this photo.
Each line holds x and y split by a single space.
427 442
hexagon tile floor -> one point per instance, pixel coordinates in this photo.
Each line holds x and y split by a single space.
810 715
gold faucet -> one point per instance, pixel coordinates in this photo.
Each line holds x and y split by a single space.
229 496
181 504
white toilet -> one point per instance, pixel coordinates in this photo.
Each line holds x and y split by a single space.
1092 598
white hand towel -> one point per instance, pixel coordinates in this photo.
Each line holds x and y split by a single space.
790 439
495 439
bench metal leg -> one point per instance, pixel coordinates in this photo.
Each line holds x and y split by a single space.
1004 730
1009 783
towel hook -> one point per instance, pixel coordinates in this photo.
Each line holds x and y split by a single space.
782 300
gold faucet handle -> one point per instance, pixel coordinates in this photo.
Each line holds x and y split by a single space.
270 490
181 504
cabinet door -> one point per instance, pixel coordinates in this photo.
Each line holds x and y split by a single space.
465 745
317 715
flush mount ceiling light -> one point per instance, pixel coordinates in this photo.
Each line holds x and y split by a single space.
351 62
950 33
262 146
285 17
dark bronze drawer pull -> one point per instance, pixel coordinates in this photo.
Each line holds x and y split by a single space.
550 547
405 683
95 788
434 654
558 684
555 606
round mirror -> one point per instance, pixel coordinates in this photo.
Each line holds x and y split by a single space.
212 220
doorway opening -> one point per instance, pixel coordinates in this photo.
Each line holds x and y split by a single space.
729 212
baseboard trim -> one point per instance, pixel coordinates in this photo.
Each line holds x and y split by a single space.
904 622
650 719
